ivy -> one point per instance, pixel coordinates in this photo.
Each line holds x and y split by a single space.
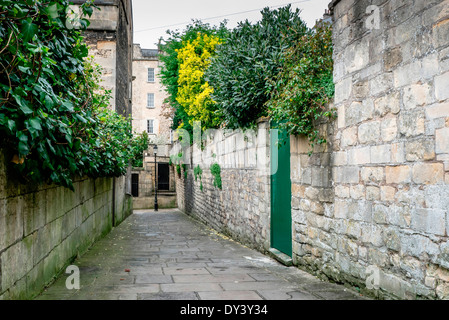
55 120
301 92
249 57
198 173
215 170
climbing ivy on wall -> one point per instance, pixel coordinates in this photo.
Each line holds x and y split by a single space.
215 170
301 92
55 120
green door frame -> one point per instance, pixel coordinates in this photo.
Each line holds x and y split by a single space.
281 194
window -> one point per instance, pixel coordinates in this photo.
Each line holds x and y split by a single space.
150 74
150 126
150 100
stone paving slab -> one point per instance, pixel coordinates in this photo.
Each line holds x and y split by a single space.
167 255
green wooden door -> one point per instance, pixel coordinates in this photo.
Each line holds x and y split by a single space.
281 217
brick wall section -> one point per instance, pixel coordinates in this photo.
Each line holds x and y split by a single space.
43 228
388 205
242 208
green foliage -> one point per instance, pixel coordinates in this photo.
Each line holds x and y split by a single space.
171 65
198 172
184 168
215 170
139 145
304 87
54 116
250 56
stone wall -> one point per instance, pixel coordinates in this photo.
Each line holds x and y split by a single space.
382 222
242 208
110 37
43 228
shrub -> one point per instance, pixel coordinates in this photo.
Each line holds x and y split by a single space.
243 64
303 89
54 116
215 170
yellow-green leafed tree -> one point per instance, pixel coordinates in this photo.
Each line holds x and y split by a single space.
194 93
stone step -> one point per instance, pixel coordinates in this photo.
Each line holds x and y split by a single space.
281 257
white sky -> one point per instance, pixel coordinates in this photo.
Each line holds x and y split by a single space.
160 15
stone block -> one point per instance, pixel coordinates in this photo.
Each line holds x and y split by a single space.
435 12
372 174
341 191
387 193
412 123
348 174
442 84
420 150
437 110
428 173
416 245
339 158
391 58
416 95
357 191
407 74
357 55
389 103
389 129
360 89
381 83
343 90
349 137
369 132
320 177
359 156
358 112
442 141
398 174
440 32
430 66
380 154
432 221
398 152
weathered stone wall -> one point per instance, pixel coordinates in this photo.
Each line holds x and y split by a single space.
43 228
242 208
387 208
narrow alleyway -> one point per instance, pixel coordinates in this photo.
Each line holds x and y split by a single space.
166 255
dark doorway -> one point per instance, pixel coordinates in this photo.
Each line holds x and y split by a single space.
135 184
163 176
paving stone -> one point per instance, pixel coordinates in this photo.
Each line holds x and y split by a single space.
229 295
169 256
286 295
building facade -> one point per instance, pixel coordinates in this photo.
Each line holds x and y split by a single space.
110 37
148 116
149 96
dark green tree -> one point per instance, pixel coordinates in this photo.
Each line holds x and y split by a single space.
250 57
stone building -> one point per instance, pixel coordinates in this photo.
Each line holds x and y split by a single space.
370 208
109 37
148 101
149 96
